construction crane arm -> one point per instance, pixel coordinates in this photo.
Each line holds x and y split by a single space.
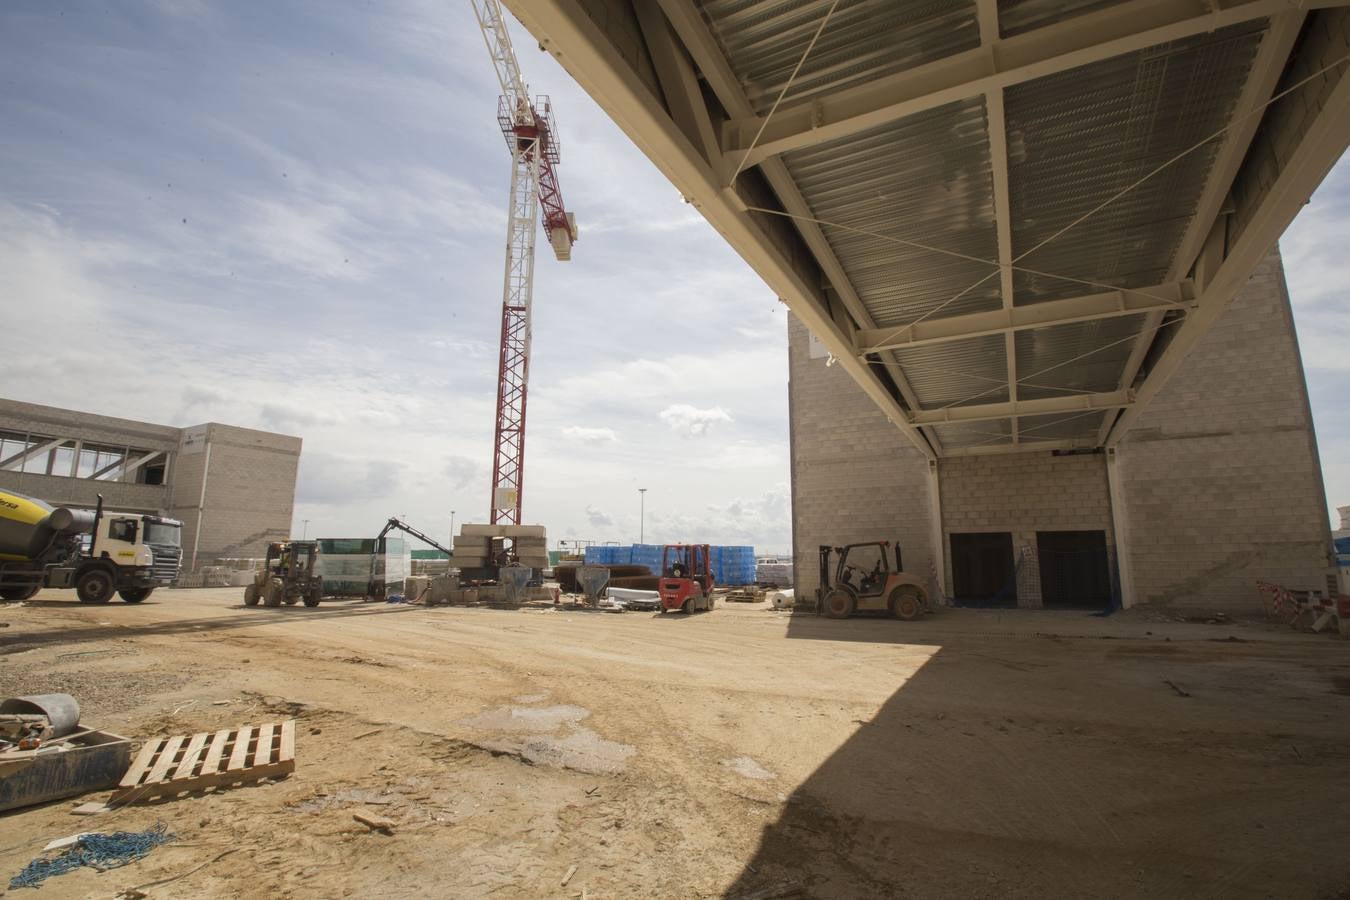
492 23
395 523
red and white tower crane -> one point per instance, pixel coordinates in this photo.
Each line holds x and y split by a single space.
533 141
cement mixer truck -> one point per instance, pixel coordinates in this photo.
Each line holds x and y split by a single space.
95 552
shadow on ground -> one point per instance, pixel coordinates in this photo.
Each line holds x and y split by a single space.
1067 768
246 618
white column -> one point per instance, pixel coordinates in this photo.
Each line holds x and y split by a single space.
1120 524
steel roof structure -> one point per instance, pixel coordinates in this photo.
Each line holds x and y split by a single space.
1009 220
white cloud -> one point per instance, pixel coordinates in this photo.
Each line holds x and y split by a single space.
461 471
326 479
598 518
690 421
580 434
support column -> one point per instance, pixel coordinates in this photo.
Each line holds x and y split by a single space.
939 544
1120 524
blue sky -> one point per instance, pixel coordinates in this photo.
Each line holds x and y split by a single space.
291 216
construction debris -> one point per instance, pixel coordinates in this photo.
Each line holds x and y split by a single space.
374 821
168 767
45 755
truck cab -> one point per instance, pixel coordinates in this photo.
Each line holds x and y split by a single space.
97 552
127 553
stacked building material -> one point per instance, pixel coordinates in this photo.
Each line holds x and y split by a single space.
730 564
474 542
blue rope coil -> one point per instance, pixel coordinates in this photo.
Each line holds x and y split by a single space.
98 851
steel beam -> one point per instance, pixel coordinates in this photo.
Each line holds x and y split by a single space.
1027 446
1322 144
127 467
18 459
1105 305
679 83
985 412
689 25
1079 41
565 30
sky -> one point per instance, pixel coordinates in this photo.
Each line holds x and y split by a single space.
291 216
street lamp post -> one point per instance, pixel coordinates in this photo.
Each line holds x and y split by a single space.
452 528
305 532
642 515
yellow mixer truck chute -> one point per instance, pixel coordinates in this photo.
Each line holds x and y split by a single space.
43 546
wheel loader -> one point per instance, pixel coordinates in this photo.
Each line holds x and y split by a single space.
288 576
864 580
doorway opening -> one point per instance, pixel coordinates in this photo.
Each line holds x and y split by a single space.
1075 569
984 572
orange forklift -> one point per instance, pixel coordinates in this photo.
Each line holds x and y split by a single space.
686 578
865 581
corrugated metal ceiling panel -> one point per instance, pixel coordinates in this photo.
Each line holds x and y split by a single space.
865 39
1079 426
925 178
958 373
961 435
1077 138
1043 354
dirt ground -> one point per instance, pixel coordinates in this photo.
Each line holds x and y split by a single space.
743 752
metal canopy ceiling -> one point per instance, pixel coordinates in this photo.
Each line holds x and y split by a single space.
1008 219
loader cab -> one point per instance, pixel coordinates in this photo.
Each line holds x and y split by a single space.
868 577
864 567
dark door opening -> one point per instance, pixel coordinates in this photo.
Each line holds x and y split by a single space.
1075 571
983 570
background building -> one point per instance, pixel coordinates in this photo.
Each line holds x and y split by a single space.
233 488
1216 484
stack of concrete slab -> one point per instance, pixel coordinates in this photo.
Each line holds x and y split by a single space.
474 542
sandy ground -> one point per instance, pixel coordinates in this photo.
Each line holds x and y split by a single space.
742 752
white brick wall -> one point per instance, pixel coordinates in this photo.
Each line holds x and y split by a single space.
854 476
1022 494
1222 482
1220 475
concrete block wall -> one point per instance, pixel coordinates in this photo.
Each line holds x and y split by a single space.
1222 482
1023 493
81 492
39 422
854 476
50 420
250 491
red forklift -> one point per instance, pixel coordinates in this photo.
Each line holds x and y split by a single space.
866 581
686 578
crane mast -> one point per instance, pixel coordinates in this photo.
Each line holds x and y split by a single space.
532 140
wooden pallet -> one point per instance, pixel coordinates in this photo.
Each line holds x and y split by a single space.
168 767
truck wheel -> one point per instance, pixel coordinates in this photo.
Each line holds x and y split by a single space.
19 593
135 595
272 593
839 604
94 586
251 595
906 602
